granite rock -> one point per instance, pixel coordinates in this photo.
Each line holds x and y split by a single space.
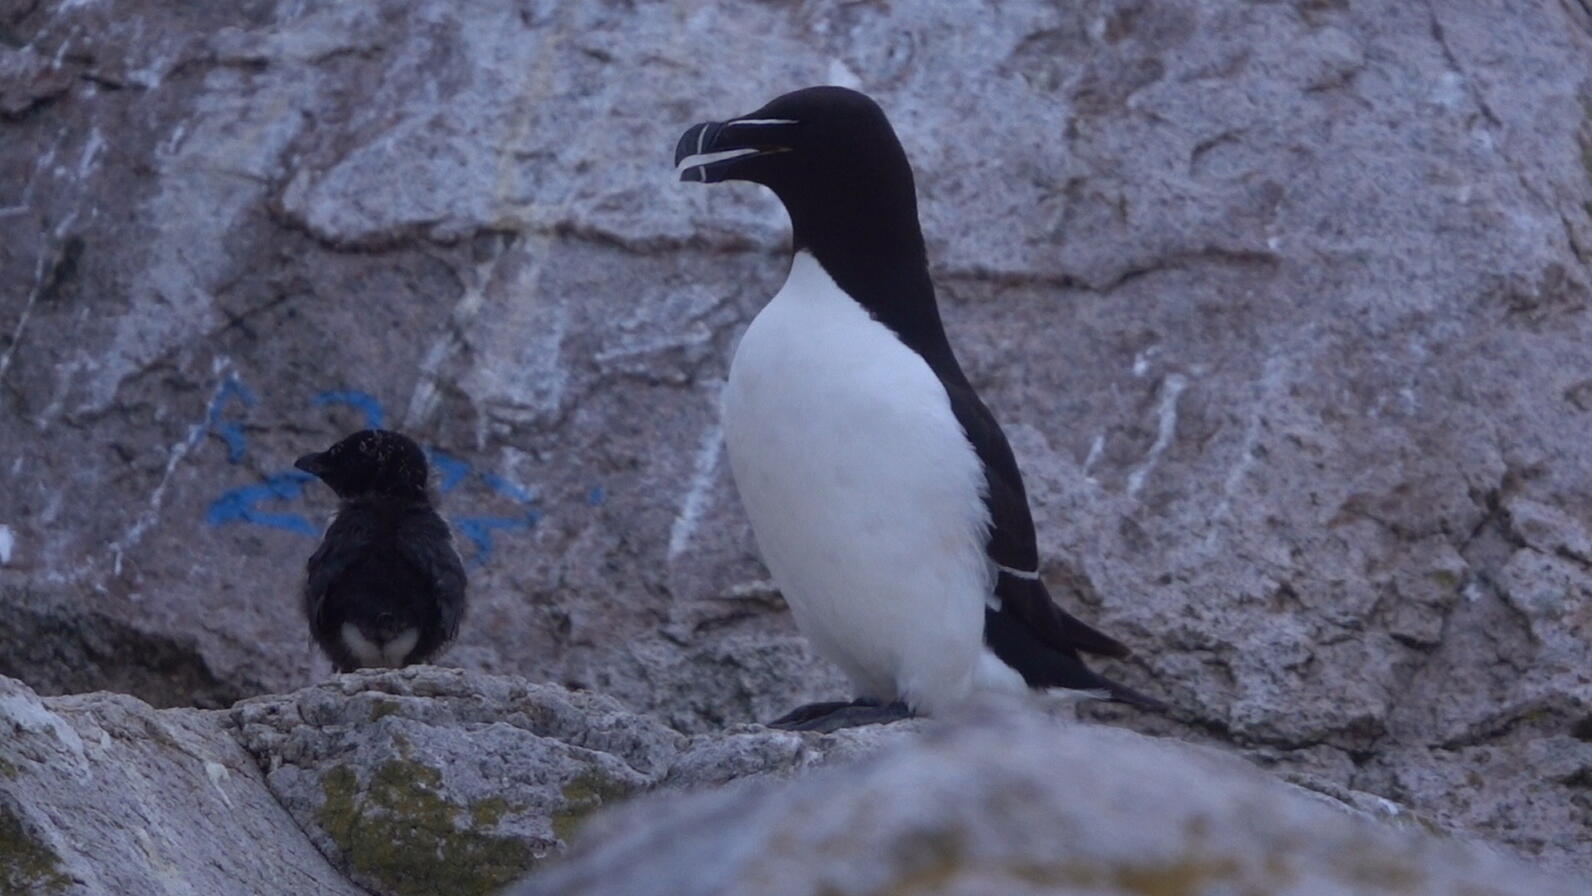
100 793
430 780
1019 805
1283 306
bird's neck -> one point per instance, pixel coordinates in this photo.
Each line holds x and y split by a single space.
874 251
388 496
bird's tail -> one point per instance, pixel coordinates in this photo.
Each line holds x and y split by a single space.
1044 666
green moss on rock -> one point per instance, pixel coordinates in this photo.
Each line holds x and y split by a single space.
26 865
488 812
583 796
404 835
1385 873
381 709
1185 877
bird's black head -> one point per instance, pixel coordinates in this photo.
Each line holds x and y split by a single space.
370 462
830 155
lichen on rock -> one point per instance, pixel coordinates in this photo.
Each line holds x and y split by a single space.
27 865
399 833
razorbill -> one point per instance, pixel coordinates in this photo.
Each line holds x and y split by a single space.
385 587
884 497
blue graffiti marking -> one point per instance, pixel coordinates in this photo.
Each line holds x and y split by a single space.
479 529
450 470
239 504
230 431
354 398
247 504
505 488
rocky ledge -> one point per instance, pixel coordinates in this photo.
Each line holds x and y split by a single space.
431 780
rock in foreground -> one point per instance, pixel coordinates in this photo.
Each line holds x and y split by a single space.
102 794
1020 805
428 781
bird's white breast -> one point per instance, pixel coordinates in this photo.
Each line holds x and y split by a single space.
863 491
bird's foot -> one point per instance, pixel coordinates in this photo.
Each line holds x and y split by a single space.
807 712
837 714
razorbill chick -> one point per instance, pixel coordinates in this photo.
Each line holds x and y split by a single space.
385 587
884 497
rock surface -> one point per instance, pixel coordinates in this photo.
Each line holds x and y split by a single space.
1022 806
100 794
398 783
1284 307
430 780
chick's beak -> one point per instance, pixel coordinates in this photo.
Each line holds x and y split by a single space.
313 463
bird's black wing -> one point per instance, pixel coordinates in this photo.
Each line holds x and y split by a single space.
1021 595
347 543
425 544
1023 626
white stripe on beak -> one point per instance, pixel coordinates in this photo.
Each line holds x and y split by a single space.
708 158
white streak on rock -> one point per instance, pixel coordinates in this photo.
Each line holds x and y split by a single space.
1170 390
27 312
424 398
841 75
218 775
42 270
8 541
24 713
1141 361
60 54
1095 449
1472 591
759 589
40 169
91 151
220 367
1271 384
174 141
695 501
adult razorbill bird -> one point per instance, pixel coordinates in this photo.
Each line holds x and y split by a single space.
884 497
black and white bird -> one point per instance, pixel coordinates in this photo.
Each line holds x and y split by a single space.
883 495
385 587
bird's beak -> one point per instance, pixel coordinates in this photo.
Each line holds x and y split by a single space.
711 151
313 464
